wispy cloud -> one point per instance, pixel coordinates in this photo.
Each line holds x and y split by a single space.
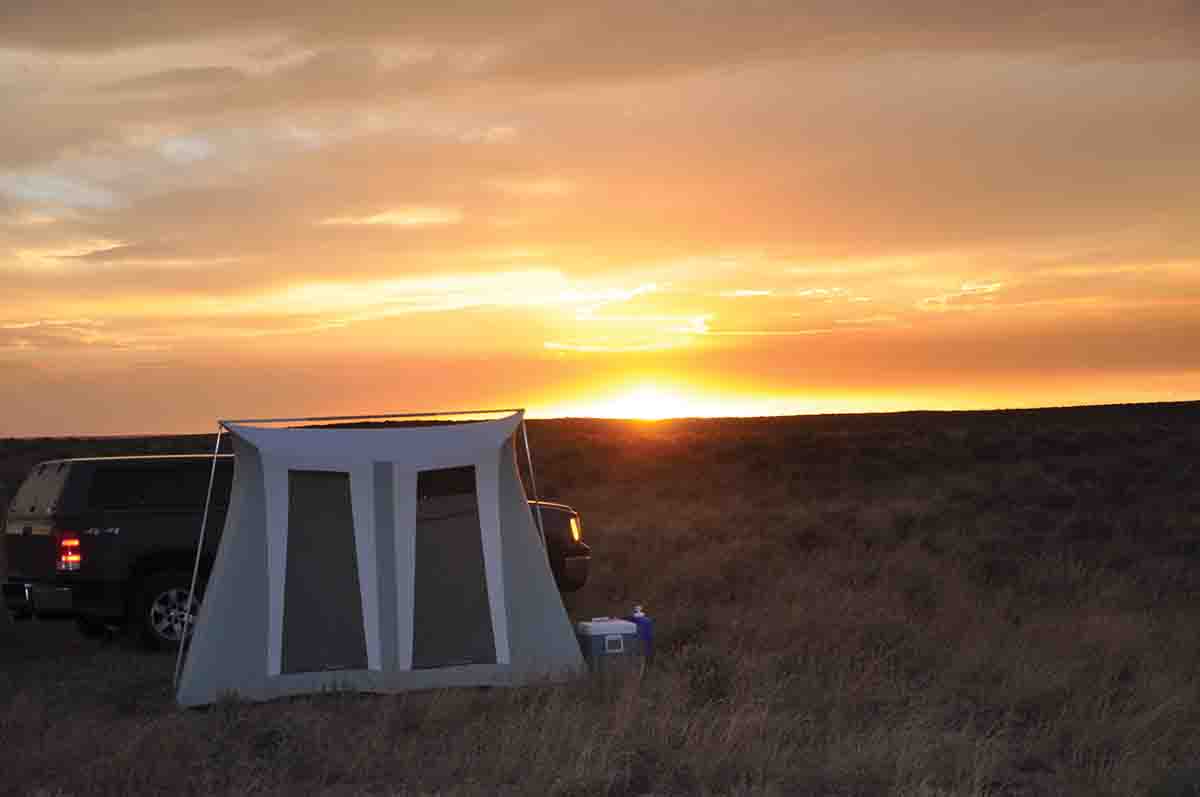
533 187
50 323
178 79
401 217
767 333
67 335
60 256
490 134
28 219
638 331
871 320
606 348
970 296
316 306
186 149
147 254
588 312
372 299
828 294
56 190
744 293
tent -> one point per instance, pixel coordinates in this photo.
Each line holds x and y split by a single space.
381 559
6 622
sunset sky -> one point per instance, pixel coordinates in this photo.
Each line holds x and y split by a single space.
228 209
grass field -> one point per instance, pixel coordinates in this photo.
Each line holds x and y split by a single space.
916 604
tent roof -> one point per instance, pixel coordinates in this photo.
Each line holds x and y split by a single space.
424 446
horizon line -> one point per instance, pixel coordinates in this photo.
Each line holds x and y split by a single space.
1042 408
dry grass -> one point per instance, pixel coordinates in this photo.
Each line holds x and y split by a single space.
958 604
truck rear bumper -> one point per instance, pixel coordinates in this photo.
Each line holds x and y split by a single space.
98 599
26 598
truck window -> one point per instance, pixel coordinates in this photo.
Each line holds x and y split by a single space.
158 485
40 492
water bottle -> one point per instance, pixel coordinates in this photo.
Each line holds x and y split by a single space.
645 627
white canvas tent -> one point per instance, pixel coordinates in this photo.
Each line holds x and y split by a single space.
5 618
380 559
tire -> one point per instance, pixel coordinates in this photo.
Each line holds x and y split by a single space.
163 615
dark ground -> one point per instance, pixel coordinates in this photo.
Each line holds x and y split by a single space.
916 604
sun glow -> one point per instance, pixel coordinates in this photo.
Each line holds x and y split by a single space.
647 402
657 400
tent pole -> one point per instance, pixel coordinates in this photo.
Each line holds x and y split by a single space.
533 483
212 476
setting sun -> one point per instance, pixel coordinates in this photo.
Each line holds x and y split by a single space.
656 400
646 402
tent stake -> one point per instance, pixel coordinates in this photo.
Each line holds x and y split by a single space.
212 475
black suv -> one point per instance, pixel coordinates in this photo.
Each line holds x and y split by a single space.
118 535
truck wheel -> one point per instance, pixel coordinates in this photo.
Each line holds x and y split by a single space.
165 612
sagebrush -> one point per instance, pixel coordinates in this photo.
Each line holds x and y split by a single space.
915 604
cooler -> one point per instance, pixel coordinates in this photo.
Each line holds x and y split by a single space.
609 644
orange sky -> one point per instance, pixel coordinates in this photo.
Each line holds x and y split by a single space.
241 209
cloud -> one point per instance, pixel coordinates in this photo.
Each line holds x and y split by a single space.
867 321
70 336
28 219
57 131
744 293
179 79
603 348
970 296
766 333
533 187
820 293
403 217
305 140
563 35
186 149
52 189
591 306
49 323
151 255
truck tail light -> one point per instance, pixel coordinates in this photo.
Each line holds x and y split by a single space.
70 556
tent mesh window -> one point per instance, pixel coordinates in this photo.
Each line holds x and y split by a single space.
322 606
452 621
